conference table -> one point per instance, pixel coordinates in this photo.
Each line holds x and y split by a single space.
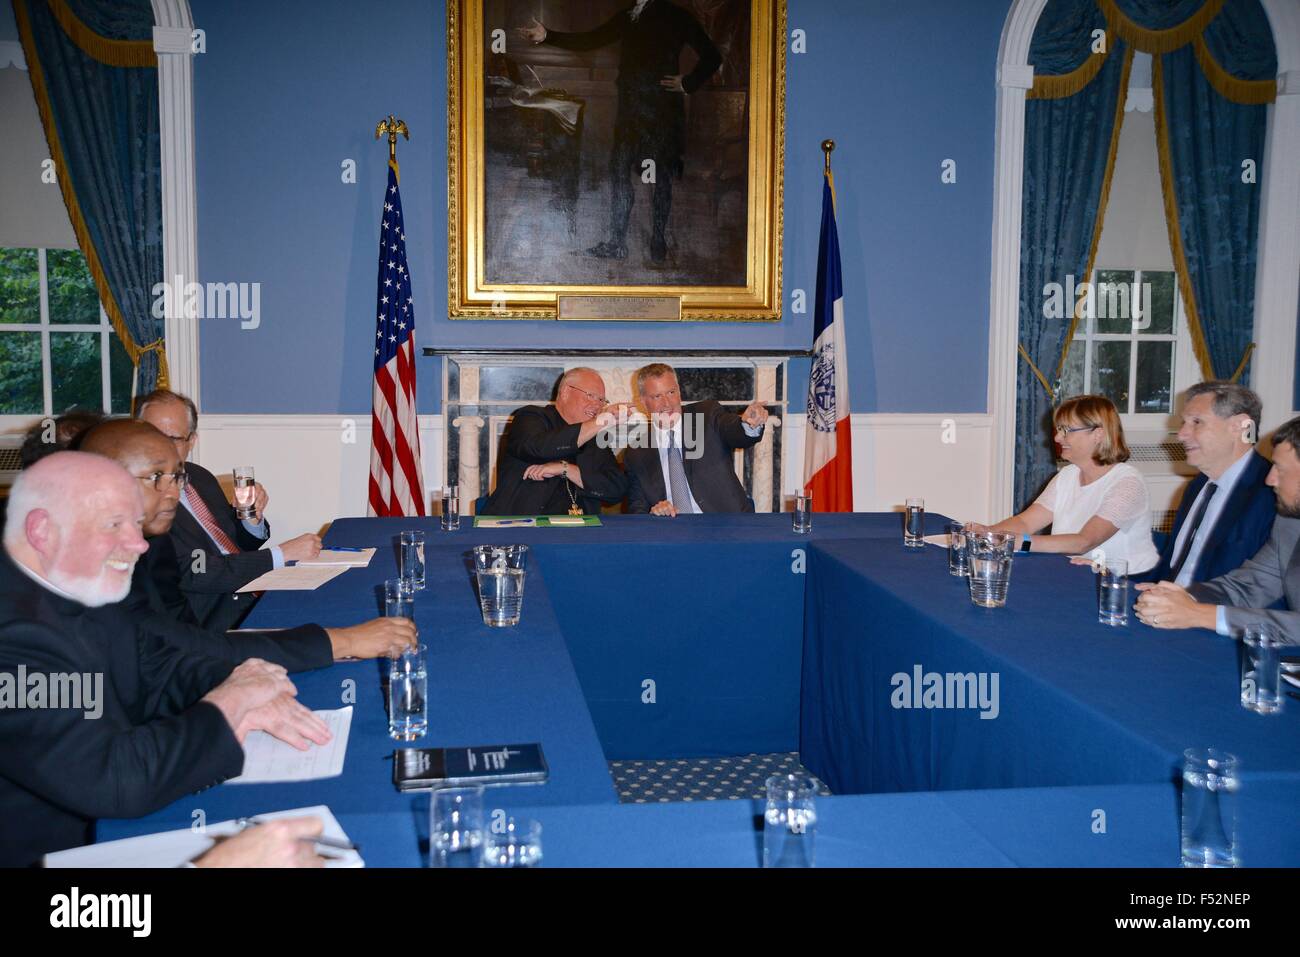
710 635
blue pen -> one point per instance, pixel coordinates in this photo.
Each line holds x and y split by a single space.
343 548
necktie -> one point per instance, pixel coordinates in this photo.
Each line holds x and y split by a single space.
1201 507
679 491
209 523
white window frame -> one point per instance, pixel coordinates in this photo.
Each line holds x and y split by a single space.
45 327
1186 372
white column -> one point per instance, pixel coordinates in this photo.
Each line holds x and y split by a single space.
467 473
765 392
173 42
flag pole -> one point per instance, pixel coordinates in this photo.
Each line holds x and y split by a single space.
827 147
392 126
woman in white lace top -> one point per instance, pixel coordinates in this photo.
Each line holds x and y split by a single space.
1097 501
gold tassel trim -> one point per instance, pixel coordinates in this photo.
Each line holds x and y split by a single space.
1199 345
1047 386
1049 87
101 48
1249 92
1102 202
1159 41
1241 366
133 350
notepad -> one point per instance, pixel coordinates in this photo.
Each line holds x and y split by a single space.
176 848
269 760
295 578
335 556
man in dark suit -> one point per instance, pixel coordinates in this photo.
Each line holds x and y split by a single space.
651 120
1265 590
1227 511
156 598
207 528
551 460
98 717
685 463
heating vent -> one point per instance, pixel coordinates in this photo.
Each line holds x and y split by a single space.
1161 452
1163 521
10 460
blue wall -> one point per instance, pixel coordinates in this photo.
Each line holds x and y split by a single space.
288 90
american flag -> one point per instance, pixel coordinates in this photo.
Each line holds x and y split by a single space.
396 482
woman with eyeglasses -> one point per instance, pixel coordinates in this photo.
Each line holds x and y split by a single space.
1098 500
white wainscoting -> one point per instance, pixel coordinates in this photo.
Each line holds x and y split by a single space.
312 474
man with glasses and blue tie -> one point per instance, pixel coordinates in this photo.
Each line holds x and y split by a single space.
233 552
551 462
687 467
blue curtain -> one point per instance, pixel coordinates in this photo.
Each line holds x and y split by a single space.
96 83
1067 146
1208 137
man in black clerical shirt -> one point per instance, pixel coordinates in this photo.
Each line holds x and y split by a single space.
156 597
551 461
98 717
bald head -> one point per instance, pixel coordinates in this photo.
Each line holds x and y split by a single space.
145 453
74 520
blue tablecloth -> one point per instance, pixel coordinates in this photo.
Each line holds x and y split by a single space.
1079 702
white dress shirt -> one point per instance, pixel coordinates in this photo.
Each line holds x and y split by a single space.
662 439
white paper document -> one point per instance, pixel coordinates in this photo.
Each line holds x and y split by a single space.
175 848
295 578
269 760
359 558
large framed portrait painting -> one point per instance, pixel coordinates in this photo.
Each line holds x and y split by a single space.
615 150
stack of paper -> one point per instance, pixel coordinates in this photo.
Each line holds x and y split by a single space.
295 578
269 760
349 557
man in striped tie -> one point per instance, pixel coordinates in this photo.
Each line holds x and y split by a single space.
218 553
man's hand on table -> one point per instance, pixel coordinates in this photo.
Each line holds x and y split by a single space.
284 842
1166 605
665 508
301 548
377 638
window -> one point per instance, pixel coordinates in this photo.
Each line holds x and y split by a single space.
1131 345
57 348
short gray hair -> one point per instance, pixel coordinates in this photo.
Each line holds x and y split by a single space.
167 395
654 370
1229 399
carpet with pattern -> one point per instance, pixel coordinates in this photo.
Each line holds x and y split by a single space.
702 779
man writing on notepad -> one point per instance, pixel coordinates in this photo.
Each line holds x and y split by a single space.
156 597
98 716
232 550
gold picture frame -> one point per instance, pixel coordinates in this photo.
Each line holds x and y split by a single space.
498 264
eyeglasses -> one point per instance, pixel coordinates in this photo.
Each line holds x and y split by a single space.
1068 430
599 399
162 480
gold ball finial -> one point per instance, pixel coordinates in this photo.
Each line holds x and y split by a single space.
828 145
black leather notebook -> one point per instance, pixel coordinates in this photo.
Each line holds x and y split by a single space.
421 769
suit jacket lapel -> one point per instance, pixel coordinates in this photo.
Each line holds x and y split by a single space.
1241 492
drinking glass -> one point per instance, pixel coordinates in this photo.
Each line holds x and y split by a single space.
456 827
245 492
411 558
1112 594
399 598
500 570
451 508
988 554
518 845
803 512
914 529
408 686
1261 670
1209 808
790 821
957 549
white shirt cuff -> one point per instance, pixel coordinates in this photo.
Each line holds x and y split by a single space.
277 556
258 530
1221 622
753 431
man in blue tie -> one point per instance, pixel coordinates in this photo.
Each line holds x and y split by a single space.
1227 510
687 464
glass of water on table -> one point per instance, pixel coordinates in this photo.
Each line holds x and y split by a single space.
914 524
790 821
988 556
500 572
411 558
456 827
1112 591
957 549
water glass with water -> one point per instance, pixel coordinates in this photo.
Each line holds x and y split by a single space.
399 598
1261 670
456 827
411 558
1112 594
451 508
957 549
1209 809
988 555
500 571
790 821
408 686
245 493
914 526
803 512
517 844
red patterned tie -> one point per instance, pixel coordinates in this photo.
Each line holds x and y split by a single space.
204 515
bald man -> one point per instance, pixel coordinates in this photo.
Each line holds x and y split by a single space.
551 462
98 717
156 597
